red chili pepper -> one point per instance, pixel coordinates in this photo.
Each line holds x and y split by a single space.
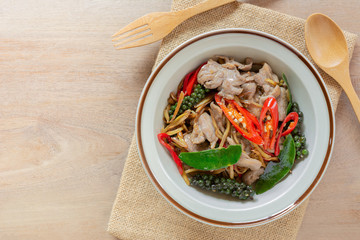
269 126
192 80
235 112
293 116
162 137
186 82
254 120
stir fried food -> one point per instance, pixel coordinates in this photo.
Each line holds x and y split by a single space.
231 127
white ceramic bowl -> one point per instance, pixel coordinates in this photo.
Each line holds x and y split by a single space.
308 90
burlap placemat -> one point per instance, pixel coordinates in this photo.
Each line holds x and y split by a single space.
139 211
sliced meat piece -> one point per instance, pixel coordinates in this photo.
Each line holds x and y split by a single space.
256 97
267 89
248 162
249 89
197 136
251 176
272 92
211 75
264 73
208 129
275 78
230 63
231 86
282 103
249 76
218 116
245 160
195 147
254 109
247 66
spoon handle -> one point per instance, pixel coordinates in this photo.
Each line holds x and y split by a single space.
354 99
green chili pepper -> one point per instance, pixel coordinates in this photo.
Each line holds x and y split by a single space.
274 172
212 159
288 109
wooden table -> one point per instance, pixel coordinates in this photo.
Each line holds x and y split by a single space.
67 110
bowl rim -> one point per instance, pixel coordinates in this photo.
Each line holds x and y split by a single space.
186 211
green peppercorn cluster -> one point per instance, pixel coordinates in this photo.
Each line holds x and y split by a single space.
299 136
190 101
222 185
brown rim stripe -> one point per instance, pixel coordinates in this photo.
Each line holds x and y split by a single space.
211 221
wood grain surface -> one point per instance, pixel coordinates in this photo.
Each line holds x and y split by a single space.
67 111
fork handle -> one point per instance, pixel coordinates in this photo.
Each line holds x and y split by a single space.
202 7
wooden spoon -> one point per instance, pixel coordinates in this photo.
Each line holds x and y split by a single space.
327 46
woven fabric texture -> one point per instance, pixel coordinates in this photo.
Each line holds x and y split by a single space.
142 213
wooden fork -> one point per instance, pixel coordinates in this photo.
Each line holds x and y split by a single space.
155 26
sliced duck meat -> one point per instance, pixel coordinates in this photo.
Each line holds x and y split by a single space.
192 147
254 108
249 76
251 176
247 66
206 126
230 63
248 162
282 103
218 116
197 136
212 75
231 86
270 92
267 89
249 89
265 73
275 78
245 160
